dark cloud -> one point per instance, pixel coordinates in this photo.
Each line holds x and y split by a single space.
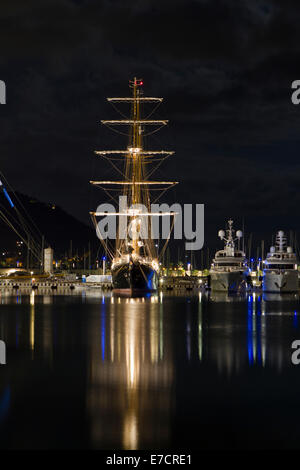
224 68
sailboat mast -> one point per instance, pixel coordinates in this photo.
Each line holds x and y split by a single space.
136 157
136 142
136 185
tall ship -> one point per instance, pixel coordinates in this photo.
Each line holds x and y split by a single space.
133 253
280 273
229 270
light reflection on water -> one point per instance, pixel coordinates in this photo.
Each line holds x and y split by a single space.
131 373
141 360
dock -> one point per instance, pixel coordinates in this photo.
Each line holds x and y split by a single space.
52 284
181 283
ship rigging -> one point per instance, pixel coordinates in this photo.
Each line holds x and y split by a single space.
135 261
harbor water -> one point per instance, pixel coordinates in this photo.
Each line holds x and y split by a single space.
91 370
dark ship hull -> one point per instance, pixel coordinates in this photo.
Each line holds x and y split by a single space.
134 277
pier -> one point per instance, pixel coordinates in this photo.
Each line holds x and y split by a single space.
55 284
181 283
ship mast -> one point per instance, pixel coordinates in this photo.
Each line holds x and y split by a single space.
136 186
280 241
136 159
230 240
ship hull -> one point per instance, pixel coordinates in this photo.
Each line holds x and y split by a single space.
227 281
280 282
130 278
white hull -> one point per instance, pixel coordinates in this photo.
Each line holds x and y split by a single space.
227 281
286 281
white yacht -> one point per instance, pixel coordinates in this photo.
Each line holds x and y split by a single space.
229 269
280 273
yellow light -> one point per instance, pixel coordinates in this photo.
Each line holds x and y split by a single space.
155 265
134 149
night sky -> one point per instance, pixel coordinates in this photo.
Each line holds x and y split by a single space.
224 69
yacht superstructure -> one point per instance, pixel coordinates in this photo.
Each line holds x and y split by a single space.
280 273
229 269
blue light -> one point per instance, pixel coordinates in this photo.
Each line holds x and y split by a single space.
103 258
258 336
149 280
7 197
250 330
295 320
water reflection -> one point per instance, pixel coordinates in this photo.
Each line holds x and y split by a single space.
129 364
4 403
32 318
200 331
227 297
256 331
283 298
267 342
131 373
